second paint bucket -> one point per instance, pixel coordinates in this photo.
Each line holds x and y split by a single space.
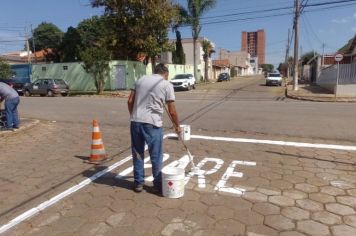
173 182
185 132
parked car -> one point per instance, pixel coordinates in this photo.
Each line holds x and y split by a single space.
17 83
7 81
274 79
224 77
183 81
49 87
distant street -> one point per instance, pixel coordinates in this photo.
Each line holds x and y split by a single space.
245 105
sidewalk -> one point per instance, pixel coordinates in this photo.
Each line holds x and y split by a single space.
315 93
25 124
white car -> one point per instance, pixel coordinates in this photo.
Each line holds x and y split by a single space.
183 81
274 79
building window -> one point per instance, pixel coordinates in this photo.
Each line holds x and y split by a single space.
44 68
65 67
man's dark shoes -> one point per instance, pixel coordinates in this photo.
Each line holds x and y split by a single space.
157 190
138 188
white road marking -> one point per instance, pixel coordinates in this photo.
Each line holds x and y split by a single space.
280 143
27 214
24 216
60 196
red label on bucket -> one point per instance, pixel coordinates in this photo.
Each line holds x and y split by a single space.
170 184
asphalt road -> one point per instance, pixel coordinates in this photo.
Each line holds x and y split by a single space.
241 105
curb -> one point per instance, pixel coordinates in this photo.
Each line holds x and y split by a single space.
31 124
313 99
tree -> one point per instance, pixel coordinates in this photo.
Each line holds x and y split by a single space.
283 68
267 68
71 45
196 9
5 69
48 37
140 27
307 56
96 62
208 50
178 55
95 31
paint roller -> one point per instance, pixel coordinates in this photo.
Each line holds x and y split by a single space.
194 168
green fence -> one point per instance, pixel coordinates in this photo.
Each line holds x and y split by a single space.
122 75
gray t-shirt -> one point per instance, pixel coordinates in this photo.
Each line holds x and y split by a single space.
7 92
151 94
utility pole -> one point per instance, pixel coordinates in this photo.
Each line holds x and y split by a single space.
33 44
27 47
287 54
296 45
322 59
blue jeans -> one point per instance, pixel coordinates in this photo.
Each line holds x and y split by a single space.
12 116
142 133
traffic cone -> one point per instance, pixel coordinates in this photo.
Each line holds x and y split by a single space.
98 153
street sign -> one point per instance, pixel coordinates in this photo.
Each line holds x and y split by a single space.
338 57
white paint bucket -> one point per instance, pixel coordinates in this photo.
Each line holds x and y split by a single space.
173 182
185 132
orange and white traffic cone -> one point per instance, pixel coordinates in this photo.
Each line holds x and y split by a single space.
98 153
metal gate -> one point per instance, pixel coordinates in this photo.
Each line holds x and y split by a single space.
120 77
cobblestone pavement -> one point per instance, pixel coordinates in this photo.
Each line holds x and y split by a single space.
241 189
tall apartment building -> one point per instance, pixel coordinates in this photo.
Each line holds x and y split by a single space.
255 44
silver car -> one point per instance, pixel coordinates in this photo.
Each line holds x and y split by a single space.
274 79
49 87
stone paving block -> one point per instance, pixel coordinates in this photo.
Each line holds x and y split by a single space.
281 201
249 217
343 230
327 176
265 208
295 194
347 200
311 227
352 192
332 190
326 217
269 191
350 220
122 205
257 230
308 188
146 210
294 179
322 197
190 207
291 233
148 226
220 212
67 224
310 205
167 215
254 197
281 184
295 213
279 222
342 184
339 209
230 227
200 220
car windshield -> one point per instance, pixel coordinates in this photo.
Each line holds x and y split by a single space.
274 75
181 77
59 81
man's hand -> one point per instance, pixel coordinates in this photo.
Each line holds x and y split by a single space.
178 130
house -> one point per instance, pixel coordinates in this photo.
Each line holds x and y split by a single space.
220 66
21 57
239 61
188 47
342 80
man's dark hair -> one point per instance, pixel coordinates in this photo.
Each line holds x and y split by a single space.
160 69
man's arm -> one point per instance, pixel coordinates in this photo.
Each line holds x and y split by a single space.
174 116
131 101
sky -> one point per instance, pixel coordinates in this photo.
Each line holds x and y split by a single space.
331 25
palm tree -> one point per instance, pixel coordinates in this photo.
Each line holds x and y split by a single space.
196 9
208 49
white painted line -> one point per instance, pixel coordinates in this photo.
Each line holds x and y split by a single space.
60 196
280 143
27 214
